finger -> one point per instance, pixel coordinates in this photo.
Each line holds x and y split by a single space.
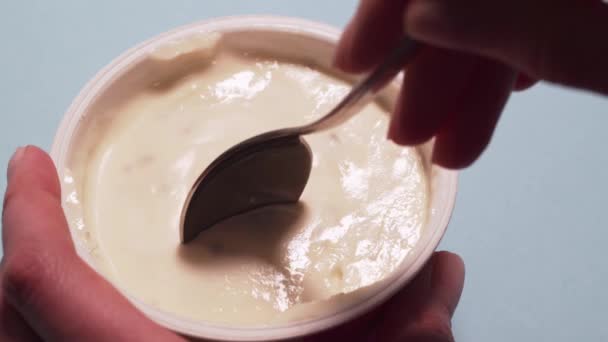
373 325
470 125
365 328
43 278
13 328
355 330
376 27
433 82
555 40
447 281
32 165
423 311
433 320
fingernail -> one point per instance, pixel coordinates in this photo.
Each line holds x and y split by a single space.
15 159
391 131
394 128
434 157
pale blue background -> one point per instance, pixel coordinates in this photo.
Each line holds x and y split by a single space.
531 215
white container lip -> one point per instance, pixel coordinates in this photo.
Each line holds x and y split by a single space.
443 198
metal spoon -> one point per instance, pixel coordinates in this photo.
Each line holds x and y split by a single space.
273 167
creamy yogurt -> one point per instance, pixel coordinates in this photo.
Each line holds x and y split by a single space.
361 213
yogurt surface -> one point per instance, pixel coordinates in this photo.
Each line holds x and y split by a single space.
361 213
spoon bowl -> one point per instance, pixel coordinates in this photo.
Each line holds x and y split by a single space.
274 167
248 176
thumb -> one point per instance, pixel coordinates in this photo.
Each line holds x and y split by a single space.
43 278
560 41
423 310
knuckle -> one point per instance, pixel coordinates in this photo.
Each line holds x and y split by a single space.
539 58
25 274
547 56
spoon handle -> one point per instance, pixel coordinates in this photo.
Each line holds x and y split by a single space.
365 91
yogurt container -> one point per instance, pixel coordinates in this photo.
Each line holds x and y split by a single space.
289 39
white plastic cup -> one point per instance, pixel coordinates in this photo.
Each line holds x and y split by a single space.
291 38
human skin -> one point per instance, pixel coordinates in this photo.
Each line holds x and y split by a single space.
48 293
475 53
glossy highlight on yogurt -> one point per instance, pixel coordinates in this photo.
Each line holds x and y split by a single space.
360 215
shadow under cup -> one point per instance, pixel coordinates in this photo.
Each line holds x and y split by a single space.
305 42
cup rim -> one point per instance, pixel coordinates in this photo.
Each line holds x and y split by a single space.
198 329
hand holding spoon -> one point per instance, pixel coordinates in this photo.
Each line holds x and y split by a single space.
273 167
